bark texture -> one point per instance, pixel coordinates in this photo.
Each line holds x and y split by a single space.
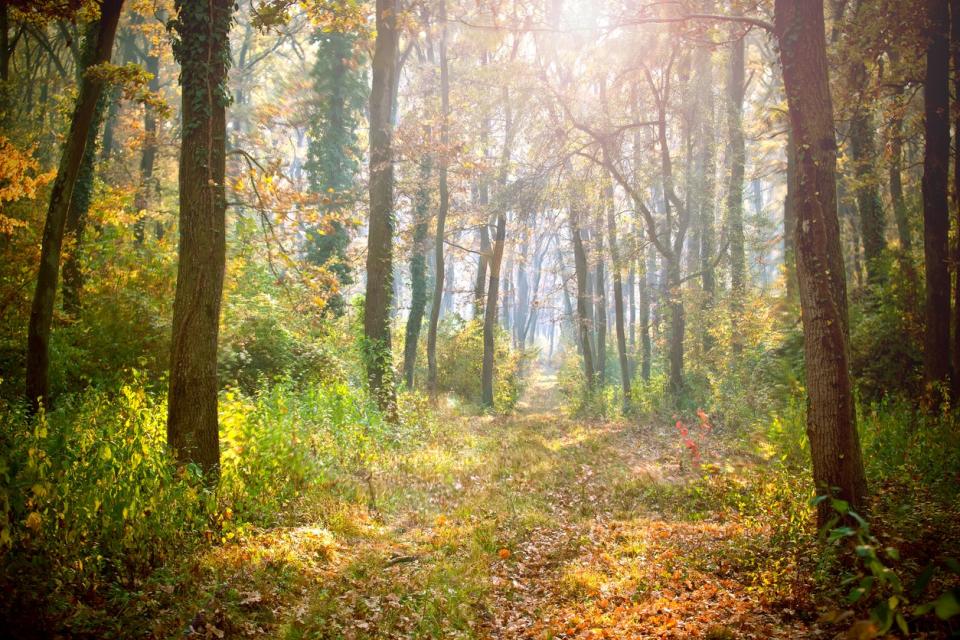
831 423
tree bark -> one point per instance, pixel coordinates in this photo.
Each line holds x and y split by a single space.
490 313
149 155
41 311
438 288
831 418
583 298
735 93
418 272
936 221
618 297
203 50
379 288
600 300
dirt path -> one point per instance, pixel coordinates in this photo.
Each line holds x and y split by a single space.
528 526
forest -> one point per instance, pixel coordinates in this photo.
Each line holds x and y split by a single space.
480 319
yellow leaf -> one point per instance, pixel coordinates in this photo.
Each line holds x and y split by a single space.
34 521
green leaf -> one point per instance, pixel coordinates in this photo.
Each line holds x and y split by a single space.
947 605
902 623
840 506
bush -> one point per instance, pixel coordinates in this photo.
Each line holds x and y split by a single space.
91 504
460 363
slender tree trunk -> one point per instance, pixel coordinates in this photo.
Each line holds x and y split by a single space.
493 289
936 220
583 297
203 50
418 272
735 93
831 418
41 312
490 313
647 267
872 219
706 171
600 301
618 298
376 317
444 207
149 155
896 180
80 204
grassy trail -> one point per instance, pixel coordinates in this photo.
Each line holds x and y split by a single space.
527 526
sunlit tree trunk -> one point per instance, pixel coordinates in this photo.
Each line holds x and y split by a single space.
376 316
617 269
438 288
203 50
600 299
418 271
490 313
737 153
41 311
148 156
831 418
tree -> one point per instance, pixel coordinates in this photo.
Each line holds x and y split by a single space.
340 88
831 418
418 269
379 288
97 52
202 47
444 205
735 91
936 220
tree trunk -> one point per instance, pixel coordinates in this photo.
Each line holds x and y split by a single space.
872 220
831 418
618 298
376 317
438 287
896 180
418 272
80 204
647 267
583 298
735 93
41 311
490 313
203 50
600 301
955 49
149 155
936 221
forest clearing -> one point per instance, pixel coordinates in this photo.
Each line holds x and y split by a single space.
487 319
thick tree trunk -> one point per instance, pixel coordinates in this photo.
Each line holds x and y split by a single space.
418 272
831 418
41 311
438 289
936 220
203 51
376 317
955 49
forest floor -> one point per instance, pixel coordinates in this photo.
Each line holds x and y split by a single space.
533 525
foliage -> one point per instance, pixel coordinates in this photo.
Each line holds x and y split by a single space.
93 506
459 359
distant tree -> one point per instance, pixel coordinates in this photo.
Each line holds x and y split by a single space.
202 47
333 157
